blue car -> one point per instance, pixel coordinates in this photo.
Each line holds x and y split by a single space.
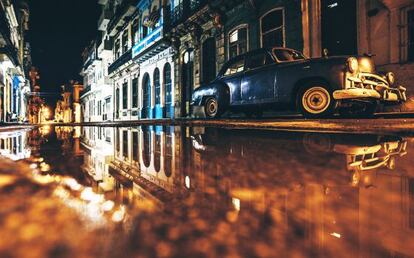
282 78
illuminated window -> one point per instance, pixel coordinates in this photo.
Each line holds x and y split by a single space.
238 42
272 29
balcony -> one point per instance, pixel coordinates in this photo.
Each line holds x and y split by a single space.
186 9
104 19
125 58
126 9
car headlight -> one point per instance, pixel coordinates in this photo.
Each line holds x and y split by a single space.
353 64
390 78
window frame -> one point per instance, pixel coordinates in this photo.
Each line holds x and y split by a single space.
283 26
238 27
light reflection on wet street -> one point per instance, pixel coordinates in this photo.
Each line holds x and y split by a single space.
204 192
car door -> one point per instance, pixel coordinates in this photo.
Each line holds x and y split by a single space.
232 78
259 80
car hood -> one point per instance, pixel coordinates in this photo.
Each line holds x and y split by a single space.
366 63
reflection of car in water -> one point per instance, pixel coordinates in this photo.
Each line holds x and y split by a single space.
318 153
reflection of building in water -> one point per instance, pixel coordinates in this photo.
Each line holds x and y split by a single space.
14 145
299 192
98 146
148 160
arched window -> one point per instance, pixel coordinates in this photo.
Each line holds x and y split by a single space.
168 155
157 153
146 147
167 89
157 86
272 26
146 96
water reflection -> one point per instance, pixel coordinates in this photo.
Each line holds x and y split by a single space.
214 192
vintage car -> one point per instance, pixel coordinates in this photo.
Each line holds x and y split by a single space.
284 78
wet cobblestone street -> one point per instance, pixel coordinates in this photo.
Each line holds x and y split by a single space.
158 191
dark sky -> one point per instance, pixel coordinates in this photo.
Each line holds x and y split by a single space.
59 31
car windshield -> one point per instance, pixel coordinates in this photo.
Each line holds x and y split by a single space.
287 55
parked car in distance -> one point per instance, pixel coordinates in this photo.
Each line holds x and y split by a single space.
283 78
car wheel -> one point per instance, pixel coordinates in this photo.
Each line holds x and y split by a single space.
212 108
316 101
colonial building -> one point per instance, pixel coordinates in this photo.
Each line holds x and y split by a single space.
14 87
164 49
206 34
68 109
97 99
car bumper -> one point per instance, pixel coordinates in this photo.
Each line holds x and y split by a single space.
370 86
384 94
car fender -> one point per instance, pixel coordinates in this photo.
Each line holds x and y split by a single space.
218 90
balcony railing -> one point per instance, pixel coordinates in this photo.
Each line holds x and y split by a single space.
125 9
127 56
186 9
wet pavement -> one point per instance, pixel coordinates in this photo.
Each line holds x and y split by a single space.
157 191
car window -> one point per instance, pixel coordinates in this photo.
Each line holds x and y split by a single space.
256 60
287 55
236 67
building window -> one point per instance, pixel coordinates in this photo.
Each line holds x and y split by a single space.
135 93
410 26
167 89
157 153
117 48
146 96
238 41
144 31
168 157
157 86
146 147
125 144
125 41
135 138
125 95
272 29
135 27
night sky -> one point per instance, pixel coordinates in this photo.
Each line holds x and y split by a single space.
59 31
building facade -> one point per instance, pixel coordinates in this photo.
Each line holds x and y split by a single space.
164 49
14 86
97 97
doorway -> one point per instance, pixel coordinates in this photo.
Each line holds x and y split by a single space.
339 27
209 60
187 82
